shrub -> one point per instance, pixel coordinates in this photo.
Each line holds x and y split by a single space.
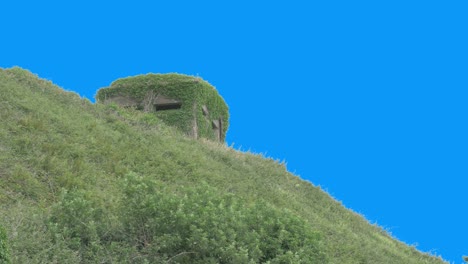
30 239
4 252
201 226
81 220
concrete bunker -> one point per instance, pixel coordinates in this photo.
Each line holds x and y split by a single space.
188 103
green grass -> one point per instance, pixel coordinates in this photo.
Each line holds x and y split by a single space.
87 183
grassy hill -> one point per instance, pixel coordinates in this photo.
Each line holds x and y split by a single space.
87 183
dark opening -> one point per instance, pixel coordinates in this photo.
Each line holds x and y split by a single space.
217 126
205 110
162 102
161 107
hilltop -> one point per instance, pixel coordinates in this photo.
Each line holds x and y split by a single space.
99 183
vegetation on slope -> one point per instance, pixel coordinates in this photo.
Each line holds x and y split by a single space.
85 183
4 253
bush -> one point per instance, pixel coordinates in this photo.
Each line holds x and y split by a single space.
4 252
82 220
202 226
30 239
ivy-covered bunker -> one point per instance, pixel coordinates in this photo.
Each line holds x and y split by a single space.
186 102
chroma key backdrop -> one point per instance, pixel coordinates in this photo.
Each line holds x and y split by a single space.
367 99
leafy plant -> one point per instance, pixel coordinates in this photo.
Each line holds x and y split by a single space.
4 251
200 226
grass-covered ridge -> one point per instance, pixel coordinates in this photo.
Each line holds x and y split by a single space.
91 183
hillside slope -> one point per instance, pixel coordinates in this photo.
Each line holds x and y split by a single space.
86 183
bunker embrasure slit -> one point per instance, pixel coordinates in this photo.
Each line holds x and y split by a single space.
164 103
